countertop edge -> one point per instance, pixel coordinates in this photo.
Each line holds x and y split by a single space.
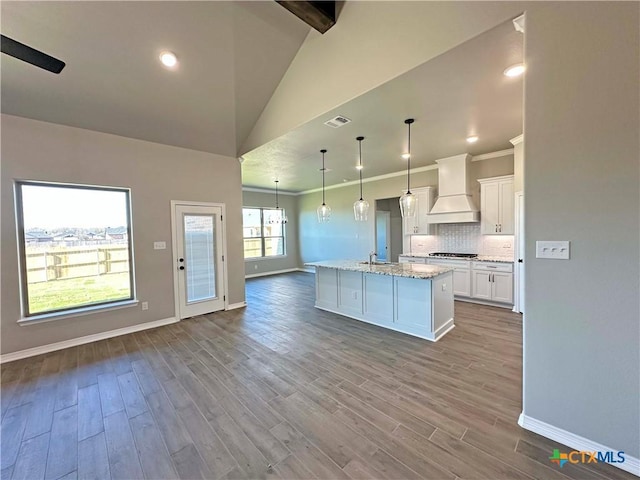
392 269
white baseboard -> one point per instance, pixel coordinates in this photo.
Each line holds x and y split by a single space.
74 342
307 269
576 442
272 272
233 306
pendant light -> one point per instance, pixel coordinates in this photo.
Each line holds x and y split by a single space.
408 200
360 207
324 210
281 218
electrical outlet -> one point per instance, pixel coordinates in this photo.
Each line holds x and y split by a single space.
145 305
255 266
159 245
355 295
444 287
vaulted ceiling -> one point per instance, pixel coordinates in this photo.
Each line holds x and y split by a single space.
232 56
460 93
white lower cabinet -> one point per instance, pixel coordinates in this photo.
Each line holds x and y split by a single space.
422 307
502 287
462 282
492 282
461 275
409 259
485 281
481 284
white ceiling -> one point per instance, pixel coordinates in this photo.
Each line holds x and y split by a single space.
232 56
459 93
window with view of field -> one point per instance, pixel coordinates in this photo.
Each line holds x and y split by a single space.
263 232
75 246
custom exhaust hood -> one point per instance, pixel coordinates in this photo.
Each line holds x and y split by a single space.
454 203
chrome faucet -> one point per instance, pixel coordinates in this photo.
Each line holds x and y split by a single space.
371 255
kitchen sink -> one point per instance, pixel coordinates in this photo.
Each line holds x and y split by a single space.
375 263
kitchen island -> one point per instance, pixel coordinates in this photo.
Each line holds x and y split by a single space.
415 299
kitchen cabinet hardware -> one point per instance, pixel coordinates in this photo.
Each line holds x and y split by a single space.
497 205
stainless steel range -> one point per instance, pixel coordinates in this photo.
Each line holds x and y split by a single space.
453 255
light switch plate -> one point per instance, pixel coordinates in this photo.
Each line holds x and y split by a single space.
555 250
159 245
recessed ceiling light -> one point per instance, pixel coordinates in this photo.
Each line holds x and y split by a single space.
168 59
472 139
406 156
515 70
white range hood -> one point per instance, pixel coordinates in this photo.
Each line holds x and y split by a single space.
454 203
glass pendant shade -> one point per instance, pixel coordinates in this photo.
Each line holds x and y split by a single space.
324 213
408 203
324 210
360 207
277 216
361 210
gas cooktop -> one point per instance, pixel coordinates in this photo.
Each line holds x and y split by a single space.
456 255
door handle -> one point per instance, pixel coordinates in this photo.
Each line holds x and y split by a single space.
181 260
519 260
181 267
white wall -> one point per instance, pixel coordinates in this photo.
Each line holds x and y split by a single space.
156 174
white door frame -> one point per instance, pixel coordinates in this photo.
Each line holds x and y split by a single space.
174 245
519 238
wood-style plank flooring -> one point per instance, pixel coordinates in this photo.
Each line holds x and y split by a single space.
279 390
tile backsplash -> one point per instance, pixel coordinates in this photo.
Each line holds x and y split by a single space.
462 238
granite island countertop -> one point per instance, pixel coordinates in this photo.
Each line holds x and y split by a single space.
409 270
479 258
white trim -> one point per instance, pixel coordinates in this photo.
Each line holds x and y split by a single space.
76 312
519 23
308 269
488 303
518 303
272 272
233 306
174 246
431 336
494 179
267 190
490 155
516 140
74 342
576 442
371 179
427 168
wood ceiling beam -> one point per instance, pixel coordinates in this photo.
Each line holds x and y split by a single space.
321 15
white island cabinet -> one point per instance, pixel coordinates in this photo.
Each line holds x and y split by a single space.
409 298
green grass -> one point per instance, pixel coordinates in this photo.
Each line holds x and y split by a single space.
76 292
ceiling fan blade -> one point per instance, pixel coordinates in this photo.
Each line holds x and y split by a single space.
30 55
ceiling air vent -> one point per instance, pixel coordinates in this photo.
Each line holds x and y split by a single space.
337 122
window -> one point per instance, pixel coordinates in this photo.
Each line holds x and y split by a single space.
263 232
75 246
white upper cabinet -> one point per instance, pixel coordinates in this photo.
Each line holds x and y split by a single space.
496 205
418 225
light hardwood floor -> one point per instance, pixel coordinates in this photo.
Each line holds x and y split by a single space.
280 390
